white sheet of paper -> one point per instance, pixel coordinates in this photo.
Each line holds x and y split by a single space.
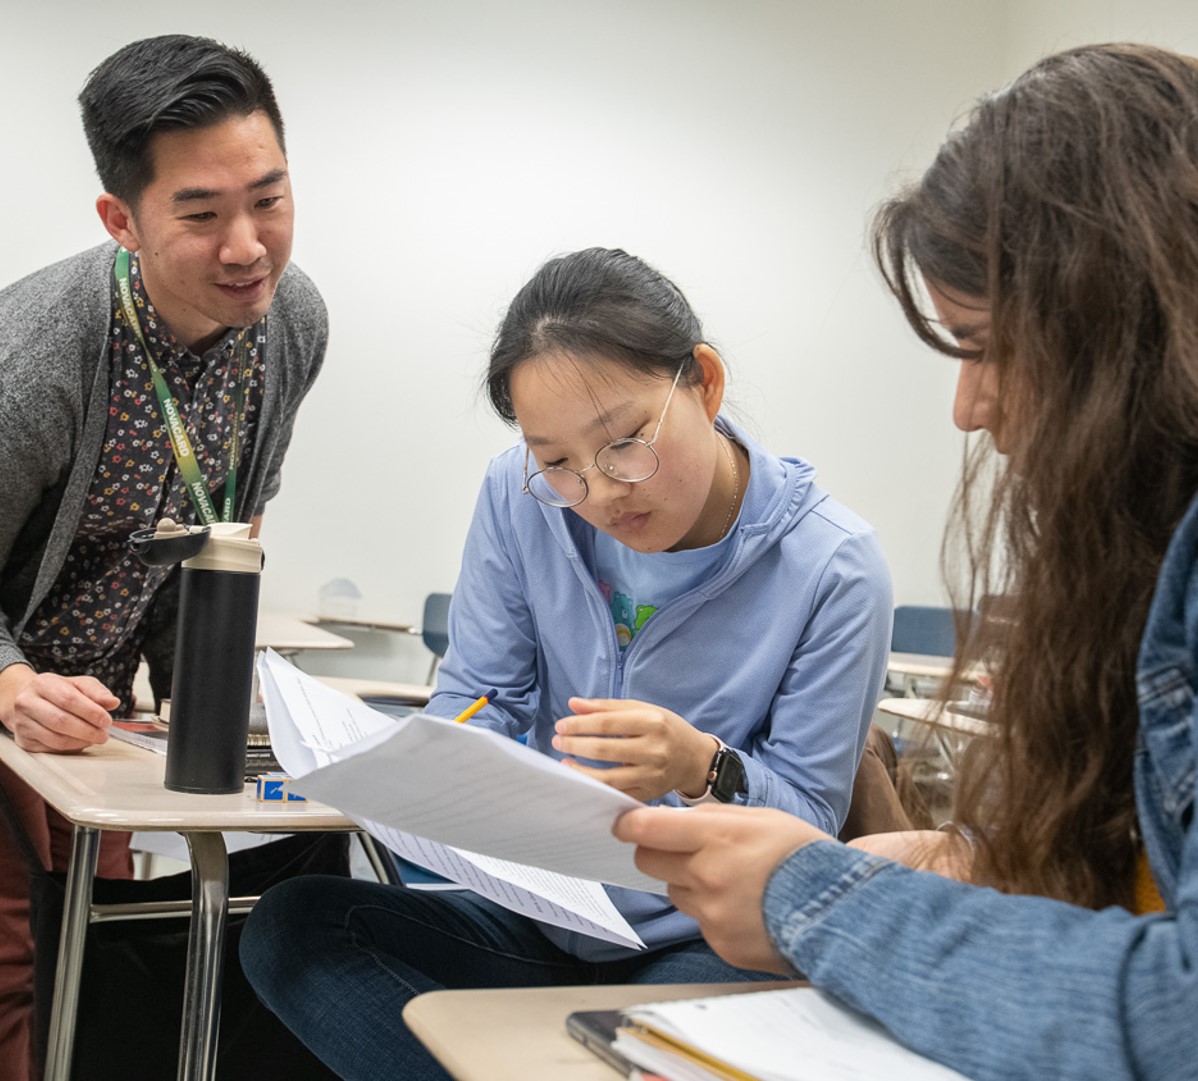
570 903
460 785
315 729
314 723
795 1034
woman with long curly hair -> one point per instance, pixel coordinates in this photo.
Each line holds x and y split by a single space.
1052 250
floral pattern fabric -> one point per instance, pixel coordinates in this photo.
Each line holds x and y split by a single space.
92 620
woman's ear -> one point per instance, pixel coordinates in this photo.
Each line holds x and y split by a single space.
712 387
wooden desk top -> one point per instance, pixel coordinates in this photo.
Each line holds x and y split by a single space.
920 665
929 666
290 634
417 693
928 711
519 1034
363 623
117 786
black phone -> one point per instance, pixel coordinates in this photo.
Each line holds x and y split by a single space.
596 1030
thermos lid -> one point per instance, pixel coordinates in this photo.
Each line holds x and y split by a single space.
222 546
230 548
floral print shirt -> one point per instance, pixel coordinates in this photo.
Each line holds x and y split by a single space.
91 621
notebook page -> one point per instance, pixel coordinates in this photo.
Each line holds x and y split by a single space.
797 1034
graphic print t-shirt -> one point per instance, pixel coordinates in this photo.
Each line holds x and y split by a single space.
636 584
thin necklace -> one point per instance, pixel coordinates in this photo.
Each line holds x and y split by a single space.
726 443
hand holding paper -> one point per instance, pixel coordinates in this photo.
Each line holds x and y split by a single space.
462 786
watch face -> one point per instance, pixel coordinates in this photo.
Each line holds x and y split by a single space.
729 776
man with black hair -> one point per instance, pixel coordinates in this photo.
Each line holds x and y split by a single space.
155 377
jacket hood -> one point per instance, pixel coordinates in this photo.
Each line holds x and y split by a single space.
780 492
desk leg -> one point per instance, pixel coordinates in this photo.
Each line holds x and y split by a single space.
380 860
85 850
205 956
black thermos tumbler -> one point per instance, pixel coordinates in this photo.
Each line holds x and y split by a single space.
212 682
214 651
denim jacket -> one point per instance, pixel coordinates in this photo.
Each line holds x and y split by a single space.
1001 986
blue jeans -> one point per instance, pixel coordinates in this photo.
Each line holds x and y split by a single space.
336 959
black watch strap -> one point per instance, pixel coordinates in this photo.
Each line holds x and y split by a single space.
727 775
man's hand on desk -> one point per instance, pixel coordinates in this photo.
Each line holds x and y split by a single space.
60 714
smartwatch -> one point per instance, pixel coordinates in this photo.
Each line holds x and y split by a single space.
727 775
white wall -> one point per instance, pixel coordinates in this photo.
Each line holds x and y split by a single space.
440 152
1035 28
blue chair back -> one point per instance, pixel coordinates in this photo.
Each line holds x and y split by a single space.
434 627
923 629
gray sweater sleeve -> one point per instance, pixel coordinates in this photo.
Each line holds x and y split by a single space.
54 330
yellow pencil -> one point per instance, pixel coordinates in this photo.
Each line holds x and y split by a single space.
474 707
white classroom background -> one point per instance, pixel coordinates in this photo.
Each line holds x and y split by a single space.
441 151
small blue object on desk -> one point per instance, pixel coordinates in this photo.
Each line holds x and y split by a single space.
276 788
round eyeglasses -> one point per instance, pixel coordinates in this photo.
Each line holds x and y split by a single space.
629 461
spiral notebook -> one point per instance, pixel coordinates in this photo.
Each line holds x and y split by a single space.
796 1034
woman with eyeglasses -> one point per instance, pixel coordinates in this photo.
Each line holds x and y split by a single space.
660 602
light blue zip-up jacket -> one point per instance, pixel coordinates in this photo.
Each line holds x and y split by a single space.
1023 987
780 653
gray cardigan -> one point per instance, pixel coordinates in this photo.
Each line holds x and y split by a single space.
54 351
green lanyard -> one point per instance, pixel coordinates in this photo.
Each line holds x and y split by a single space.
184 455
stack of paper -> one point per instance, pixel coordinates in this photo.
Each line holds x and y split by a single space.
148 734
476 807
797 1034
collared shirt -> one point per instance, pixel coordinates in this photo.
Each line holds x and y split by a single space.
90 621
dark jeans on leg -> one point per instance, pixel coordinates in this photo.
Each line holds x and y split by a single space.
337 959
